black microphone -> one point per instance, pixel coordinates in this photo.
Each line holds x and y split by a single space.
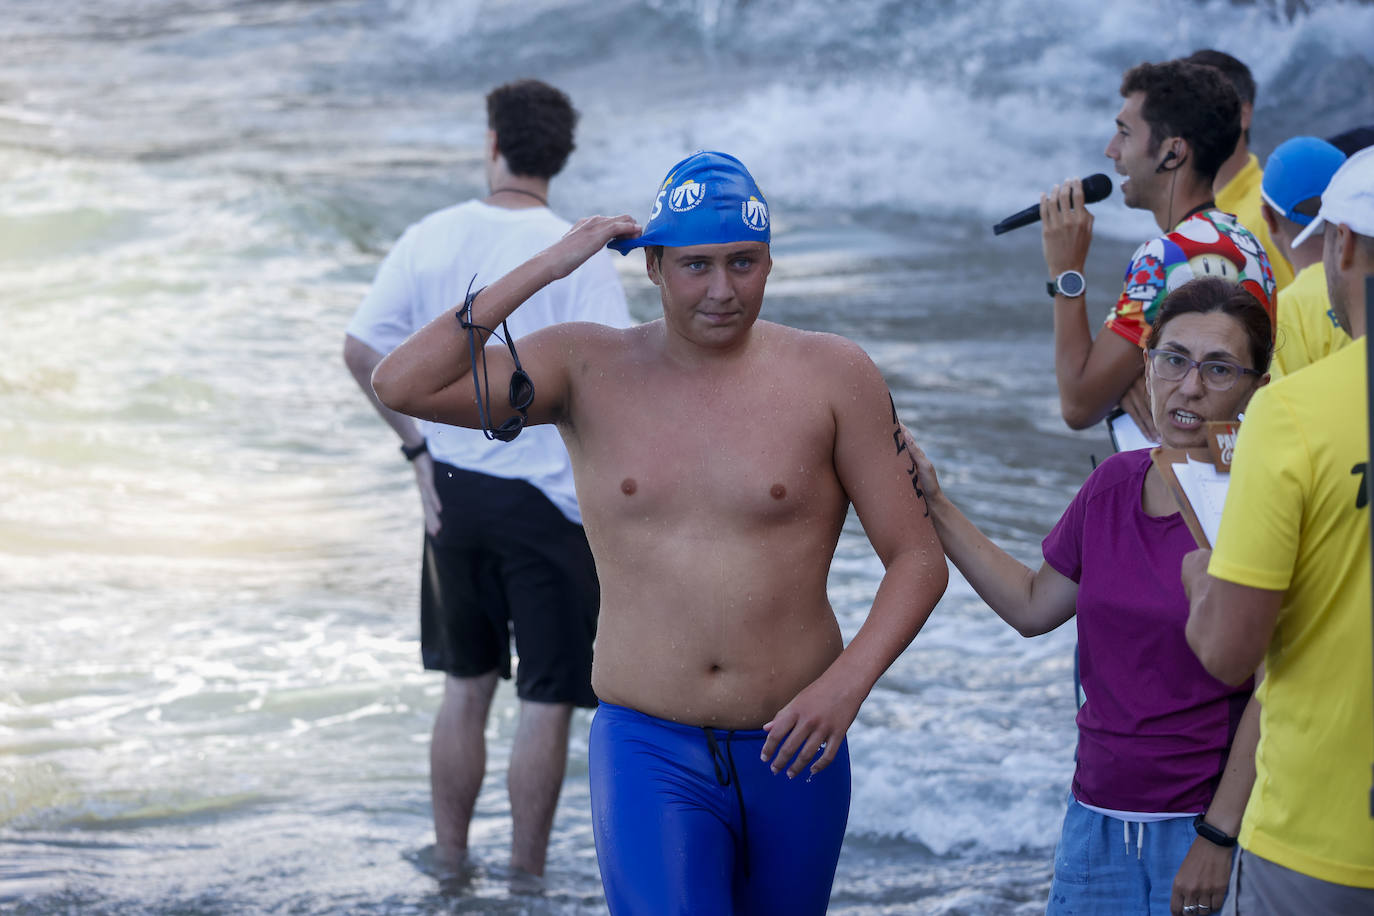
1095 187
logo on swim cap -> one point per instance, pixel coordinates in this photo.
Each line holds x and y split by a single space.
686 196
754 212
658 201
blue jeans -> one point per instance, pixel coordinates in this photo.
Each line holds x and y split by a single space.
1108 867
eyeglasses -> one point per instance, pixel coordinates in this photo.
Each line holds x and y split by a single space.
1216 374
521 393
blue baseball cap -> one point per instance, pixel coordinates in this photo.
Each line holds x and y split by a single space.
1298 169
707 198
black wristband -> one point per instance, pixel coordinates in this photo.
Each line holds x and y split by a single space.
1210 833
414 451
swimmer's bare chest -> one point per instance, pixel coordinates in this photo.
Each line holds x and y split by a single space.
713 517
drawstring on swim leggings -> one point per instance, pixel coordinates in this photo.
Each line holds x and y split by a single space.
728 776
1139 836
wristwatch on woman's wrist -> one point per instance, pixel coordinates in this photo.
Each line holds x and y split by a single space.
414 451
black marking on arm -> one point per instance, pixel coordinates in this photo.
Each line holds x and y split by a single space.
900 441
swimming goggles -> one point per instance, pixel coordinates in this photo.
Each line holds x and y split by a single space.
521 392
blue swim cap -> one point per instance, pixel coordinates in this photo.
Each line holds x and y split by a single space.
707 198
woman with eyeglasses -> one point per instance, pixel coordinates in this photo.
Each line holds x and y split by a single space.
1165 751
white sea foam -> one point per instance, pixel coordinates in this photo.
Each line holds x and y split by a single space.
974 112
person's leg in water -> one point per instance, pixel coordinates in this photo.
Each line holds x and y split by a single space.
457 763
538 759
549 585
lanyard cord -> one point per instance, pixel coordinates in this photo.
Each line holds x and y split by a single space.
1205 205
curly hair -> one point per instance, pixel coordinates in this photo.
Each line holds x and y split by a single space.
1192 101
1216 294
534 125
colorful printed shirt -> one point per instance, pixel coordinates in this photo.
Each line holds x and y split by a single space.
1207 243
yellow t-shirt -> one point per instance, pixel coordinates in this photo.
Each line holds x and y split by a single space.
1241 197
1296 521
1307 330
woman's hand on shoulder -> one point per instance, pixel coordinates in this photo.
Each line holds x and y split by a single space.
925 470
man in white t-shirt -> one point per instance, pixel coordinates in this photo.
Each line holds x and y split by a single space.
504 546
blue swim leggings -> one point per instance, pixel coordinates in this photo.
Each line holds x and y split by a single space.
690 820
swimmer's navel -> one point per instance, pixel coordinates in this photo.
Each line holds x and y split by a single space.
778 491
628 486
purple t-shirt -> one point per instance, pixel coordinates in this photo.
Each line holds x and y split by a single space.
1156 728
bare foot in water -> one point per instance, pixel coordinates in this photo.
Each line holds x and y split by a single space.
525 884
453 869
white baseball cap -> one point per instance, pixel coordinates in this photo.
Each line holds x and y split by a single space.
1348 199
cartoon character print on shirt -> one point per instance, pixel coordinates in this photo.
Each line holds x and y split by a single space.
1146 275
1256 266
1211 243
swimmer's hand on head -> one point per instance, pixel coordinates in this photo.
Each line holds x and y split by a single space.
586 237
420 376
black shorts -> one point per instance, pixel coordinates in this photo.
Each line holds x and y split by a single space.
505 562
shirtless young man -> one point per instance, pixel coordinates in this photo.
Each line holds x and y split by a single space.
715 457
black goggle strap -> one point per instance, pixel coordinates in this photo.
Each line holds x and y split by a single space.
512 427
521 385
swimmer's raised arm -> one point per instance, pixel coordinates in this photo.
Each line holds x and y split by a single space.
429 375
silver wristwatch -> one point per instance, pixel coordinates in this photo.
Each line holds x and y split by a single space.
1070 283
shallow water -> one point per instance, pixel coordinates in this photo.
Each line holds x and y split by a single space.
210 696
